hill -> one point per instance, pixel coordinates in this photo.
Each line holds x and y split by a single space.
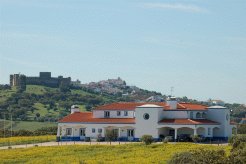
42 105
45 104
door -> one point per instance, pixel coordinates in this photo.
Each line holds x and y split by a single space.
82 133
130 134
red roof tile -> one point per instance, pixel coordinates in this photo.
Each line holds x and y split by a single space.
187 121
133 105
233 123
87 117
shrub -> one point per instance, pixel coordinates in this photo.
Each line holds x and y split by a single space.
161 136
87 139
236 140
238 155
200 156
147 139
165 140
238 151
110 135
196 138
169 138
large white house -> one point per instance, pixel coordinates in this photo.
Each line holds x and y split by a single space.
130 121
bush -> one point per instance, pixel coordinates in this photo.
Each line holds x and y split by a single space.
196 138
237 155
87 139
200 156
165 140
236 140
238 151
147 139
169 138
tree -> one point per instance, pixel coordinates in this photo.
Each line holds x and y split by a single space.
110 135
147 139
88 107
37 115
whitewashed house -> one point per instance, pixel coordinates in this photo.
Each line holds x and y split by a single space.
130 121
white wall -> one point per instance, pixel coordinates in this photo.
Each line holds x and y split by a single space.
88 128
113 114
219 115
147 127
175 114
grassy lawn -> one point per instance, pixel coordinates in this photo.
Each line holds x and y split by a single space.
26 140
129 153
27 125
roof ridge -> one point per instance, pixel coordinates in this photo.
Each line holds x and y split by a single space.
182 106
192 121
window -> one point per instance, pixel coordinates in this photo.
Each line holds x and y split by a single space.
82 132
198 115
146 116
93 130
203 115
126 113
106 114
118 113
69 131
99 130
191 115
130 133
209 131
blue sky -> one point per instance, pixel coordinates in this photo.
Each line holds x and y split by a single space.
196 46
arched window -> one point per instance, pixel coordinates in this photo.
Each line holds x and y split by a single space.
204 115
198 115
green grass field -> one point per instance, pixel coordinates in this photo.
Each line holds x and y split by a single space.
5 94
129 153
26 125
38 89
10 141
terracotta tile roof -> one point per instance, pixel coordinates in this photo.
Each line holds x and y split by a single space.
188 121
133 105
233 123
87 117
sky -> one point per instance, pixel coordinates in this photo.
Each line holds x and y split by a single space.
196 46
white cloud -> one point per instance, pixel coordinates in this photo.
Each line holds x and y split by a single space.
176 6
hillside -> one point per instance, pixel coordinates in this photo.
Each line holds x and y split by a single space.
26 125
45 104
39 103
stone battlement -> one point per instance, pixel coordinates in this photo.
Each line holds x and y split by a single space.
44 79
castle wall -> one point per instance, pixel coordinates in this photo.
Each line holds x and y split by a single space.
44 79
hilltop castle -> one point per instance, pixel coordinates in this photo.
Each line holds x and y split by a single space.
44 79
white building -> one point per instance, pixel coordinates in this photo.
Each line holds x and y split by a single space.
130 121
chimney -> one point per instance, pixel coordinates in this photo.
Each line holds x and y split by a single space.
74 108
172 102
